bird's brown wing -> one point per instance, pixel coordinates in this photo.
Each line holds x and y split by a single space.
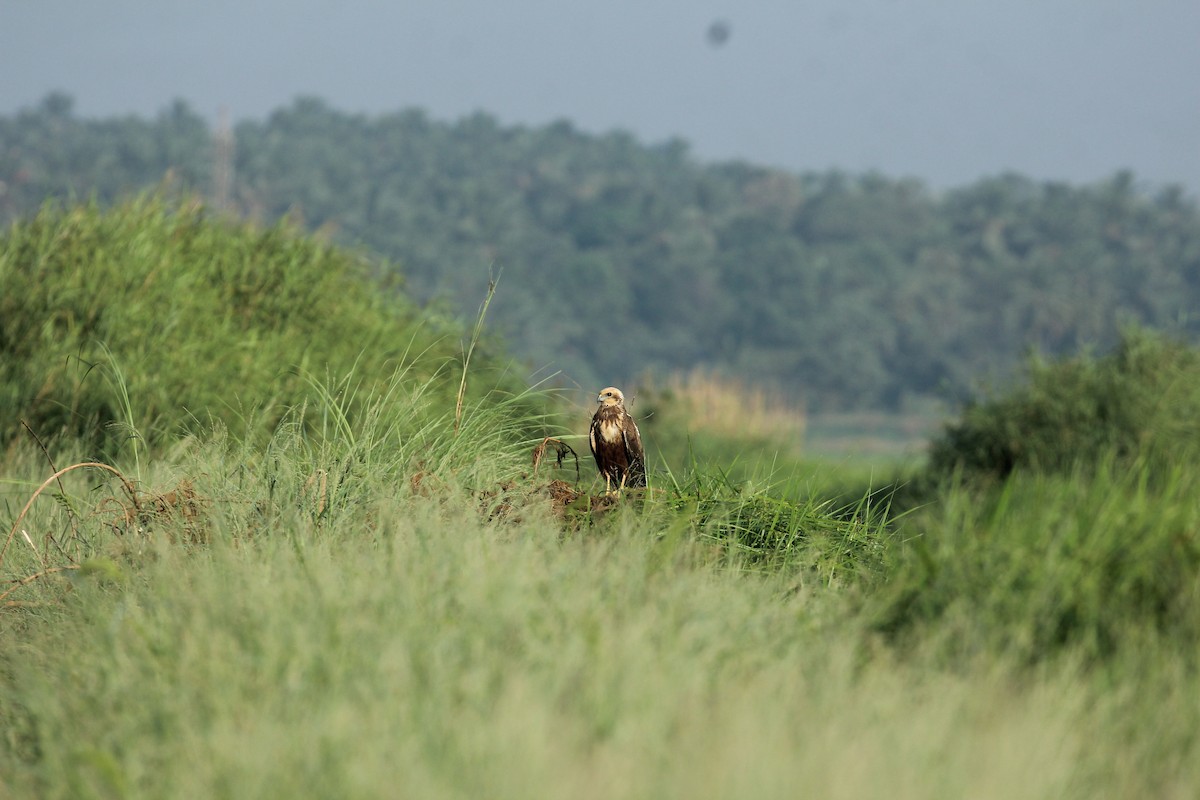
593 436
634 452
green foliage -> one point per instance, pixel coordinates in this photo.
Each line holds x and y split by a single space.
1062 516
155 316
50 152
1095 561
770 528
1138 402
358 588
847 291
373 634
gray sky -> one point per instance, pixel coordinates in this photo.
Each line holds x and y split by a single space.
943 90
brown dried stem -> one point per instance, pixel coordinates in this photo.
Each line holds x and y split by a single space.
61 489
561 449
129 490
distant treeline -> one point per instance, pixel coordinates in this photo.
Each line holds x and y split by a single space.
619 257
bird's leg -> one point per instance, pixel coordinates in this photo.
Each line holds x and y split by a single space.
607 485
624 477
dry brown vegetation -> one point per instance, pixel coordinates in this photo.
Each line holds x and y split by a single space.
732 407
571 505
133 513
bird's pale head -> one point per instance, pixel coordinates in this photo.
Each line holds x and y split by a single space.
610 397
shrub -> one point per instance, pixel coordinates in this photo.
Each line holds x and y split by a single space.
1139 401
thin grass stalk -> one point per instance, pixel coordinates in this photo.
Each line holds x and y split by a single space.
462 384
120 386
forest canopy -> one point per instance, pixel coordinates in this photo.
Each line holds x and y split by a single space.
620 257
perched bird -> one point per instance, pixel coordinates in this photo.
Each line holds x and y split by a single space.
617 443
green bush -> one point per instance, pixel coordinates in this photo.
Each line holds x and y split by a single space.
153 315
1139 401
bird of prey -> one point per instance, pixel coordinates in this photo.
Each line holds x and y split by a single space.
616 443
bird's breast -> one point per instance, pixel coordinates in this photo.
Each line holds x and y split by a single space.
610 431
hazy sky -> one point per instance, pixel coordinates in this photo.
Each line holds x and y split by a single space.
944 90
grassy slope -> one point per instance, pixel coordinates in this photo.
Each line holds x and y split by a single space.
347 604
157 314
408 645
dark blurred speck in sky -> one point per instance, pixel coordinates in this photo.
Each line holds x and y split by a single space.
718 32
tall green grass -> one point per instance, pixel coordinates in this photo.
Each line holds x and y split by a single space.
358 588
380 635
408 644
421 651
193 319
1092 562
428 655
